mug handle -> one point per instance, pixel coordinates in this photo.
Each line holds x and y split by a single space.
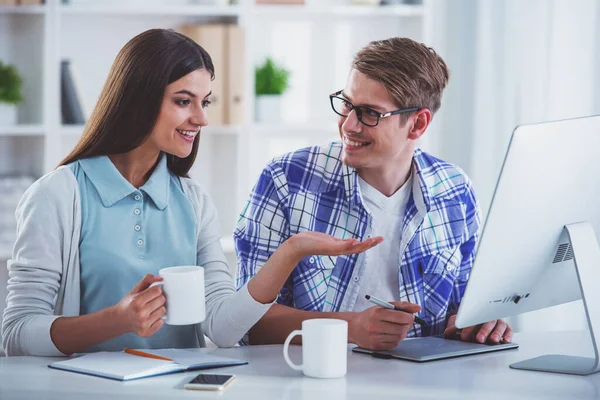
286 347
164 317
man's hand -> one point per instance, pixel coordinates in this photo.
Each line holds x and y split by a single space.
378 328
272 276
494 331
320 244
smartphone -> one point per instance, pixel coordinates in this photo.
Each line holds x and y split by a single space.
209 382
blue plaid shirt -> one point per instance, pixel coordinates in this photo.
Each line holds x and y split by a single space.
312 190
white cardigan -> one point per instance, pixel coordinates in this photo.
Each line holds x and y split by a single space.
44 270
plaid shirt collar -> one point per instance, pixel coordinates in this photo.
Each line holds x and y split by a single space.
348 179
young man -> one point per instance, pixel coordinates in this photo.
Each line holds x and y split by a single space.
374 182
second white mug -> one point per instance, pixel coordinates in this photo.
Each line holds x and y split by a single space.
324 348
183 288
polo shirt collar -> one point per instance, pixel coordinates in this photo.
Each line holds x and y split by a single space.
112 186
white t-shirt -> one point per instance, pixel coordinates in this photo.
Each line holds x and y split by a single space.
383 261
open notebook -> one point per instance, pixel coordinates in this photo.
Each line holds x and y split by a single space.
123 366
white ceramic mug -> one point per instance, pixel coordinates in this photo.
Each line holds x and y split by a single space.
183 288
324 348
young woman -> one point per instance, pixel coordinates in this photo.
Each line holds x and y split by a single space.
93 234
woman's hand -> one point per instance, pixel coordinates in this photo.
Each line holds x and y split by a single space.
316 243
139 312
141 309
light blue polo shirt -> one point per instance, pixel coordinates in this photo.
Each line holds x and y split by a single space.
127 233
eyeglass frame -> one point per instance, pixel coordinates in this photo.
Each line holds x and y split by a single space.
358 110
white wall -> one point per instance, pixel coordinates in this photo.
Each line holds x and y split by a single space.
513 62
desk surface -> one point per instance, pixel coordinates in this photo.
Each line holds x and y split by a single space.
267 376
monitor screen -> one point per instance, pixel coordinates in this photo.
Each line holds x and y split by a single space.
550 178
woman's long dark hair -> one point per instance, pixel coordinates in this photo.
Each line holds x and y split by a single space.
130 101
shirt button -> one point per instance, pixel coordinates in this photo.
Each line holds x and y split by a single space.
137 197
356 278
137 228
311 260
137 211
450 268
140 242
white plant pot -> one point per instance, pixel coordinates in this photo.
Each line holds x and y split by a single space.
8 114
268 109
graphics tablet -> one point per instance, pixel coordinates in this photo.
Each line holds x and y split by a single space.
434 348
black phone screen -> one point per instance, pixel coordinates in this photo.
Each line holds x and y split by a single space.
211 379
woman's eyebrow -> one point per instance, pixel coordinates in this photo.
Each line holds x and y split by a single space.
185 91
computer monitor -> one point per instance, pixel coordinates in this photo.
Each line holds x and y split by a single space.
539 244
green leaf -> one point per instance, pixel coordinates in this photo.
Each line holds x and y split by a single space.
271 78
11 84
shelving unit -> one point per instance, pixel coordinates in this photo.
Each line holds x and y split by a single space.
319 10
135 10
316 42
77 130
22 130
15 10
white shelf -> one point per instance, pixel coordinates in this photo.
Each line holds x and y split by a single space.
22 9
279 128
222 130
295 128
159 10
71 130
77 130
21 130
225 11
347 11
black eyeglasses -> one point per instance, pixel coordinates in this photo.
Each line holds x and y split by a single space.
365 115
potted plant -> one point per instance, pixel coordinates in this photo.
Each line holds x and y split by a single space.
271 80
10 94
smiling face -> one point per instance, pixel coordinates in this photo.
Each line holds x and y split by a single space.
379 147
182 114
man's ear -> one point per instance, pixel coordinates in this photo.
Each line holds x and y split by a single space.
419 123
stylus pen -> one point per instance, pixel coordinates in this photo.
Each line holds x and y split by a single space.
389 306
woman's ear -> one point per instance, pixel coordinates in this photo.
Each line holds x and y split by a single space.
420 122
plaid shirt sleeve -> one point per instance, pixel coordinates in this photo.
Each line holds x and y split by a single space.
262 227
467 249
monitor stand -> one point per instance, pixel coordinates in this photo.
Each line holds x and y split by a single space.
586 257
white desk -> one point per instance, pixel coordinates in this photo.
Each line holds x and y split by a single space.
485 376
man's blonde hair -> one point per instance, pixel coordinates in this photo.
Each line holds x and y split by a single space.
412 73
